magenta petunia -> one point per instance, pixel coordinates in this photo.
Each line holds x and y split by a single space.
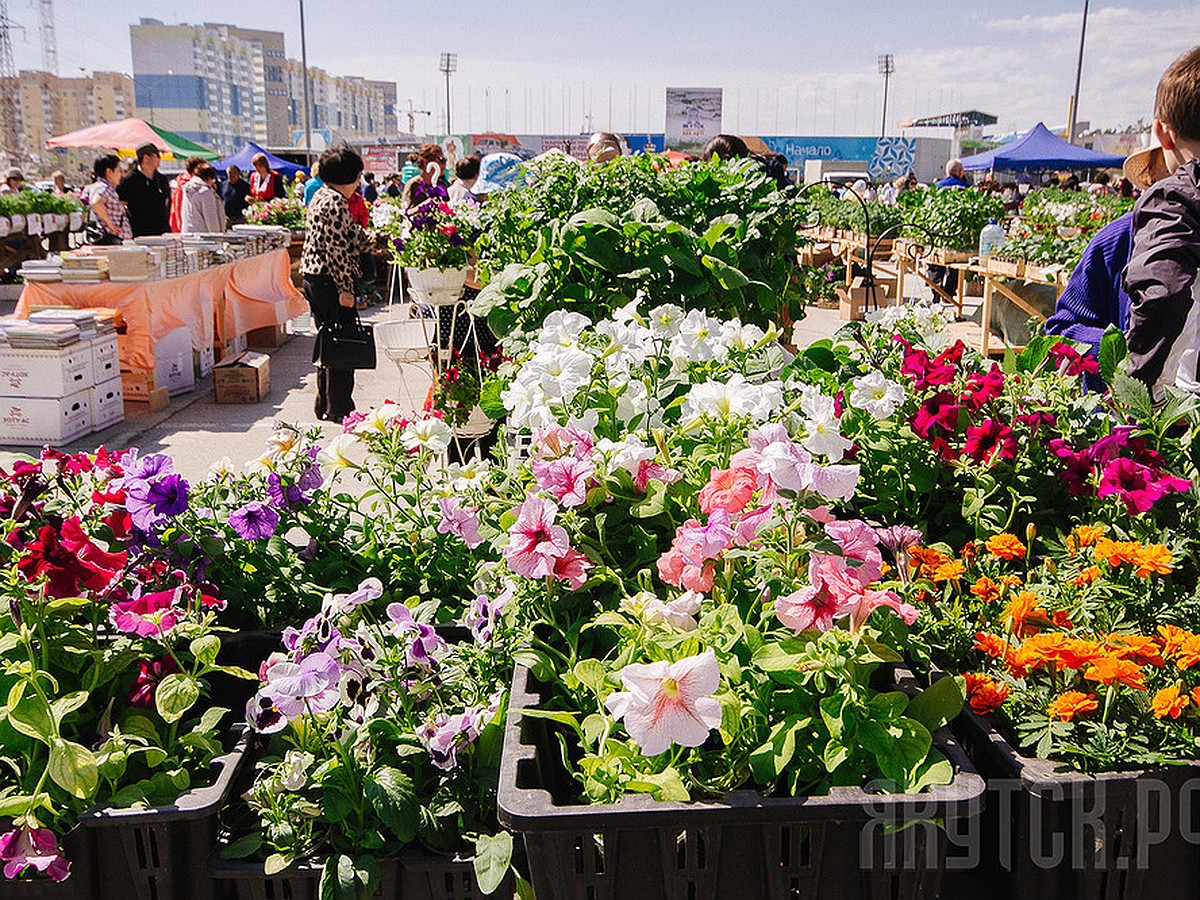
36 848
150 615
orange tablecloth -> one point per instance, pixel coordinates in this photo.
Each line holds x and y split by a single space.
244 295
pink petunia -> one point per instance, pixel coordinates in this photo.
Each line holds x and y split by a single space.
809 608
459 521
728 489
565 478
535 542
675 570
1139 487
26 847
858 542
150 615
648 471
668 704
572 568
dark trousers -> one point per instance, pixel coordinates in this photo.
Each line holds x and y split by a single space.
334 386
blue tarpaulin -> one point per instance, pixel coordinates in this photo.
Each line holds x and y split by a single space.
1039 149
249 150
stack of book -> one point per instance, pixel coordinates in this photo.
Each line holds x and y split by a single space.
80 268
41 336
41 269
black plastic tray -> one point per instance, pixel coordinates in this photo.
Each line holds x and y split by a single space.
741 845
1034 803
161 853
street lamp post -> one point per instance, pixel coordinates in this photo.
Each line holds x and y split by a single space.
1078 74
887 66
448 64
304 66
150 91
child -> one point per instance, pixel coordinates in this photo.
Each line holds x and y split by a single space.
1161 279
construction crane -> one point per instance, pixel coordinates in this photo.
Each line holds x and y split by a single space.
10 126
49 40
411 112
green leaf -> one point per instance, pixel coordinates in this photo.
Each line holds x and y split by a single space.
73 768
493 857
246 845
909 746
67 704
555 715
391 794
1113 350
175 695
276 863
31 715
821 357
773 658
489 399
591 674
206 648
1134 395
346 878
653 503
141 726
769 760
665 786
18 804
727 276
210 719
937 704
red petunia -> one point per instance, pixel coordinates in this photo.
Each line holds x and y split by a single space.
990 441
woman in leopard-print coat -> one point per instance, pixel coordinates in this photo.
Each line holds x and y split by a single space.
329 263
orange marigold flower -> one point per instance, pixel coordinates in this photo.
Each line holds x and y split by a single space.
1173 638
1006 546
1071 704
1088 535
1025 613
1086 577
983 693
1062 619
1169 703
951 570
926 559
1110 670
986 590
1153 559
1055 647
993 645
1195 695
1143 650
969 552
1010 580
1117 552
1072 547
1188 652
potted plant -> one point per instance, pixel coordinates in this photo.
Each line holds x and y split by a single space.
108 657
432 241
723 624
386 746
286 211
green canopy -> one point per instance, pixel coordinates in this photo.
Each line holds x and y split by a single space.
127 135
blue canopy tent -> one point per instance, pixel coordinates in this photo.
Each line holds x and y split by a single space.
249 150
1039 149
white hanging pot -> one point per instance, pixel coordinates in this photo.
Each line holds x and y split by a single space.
75 221
436 287
33 223
18 222
5 226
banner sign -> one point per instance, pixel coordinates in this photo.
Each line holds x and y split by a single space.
693 117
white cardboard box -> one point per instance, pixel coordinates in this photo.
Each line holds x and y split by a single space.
46 373
108 406
37 420
173 361
106 360
202 362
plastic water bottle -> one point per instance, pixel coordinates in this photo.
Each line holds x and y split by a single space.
991 238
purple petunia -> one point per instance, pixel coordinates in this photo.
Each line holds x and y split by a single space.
255 521
150 502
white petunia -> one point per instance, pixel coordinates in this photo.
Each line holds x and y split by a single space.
734 397
698 339
628 453
562 328
431 435
221 469
561 371
335 456
634 401
665 320
876 395
527 405
471 475
737 336
379 419
823 435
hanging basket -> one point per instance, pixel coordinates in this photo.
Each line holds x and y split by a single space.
436 287
406 340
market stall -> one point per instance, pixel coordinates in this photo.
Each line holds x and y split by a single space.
218 304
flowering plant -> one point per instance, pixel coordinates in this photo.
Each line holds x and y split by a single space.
107 653
749 630
384 734
431 234
1076 650
286 211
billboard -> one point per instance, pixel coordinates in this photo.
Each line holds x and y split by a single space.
527 146
693 117
885 157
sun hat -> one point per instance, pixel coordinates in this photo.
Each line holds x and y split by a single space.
14 173
1146 166
497 171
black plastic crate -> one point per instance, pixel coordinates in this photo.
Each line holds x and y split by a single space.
1052 833
414 876
161 853
849 844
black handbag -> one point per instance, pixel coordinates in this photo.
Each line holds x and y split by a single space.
98 236
345 345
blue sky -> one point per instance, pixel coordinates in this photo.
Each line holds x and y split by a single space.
787 68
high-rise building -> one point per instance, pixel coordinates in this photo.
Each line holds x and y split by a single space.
221 85
48 105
